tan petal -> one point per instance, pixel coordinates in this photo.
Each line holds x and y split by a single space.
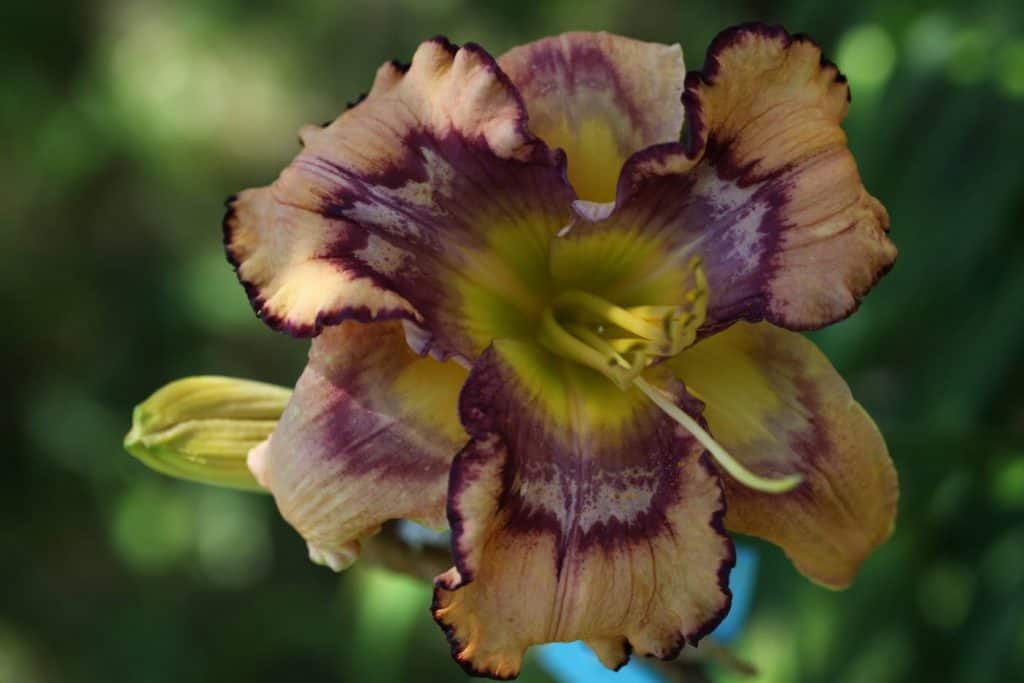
368 437
600 97
419 202
764 191
777 405
578 512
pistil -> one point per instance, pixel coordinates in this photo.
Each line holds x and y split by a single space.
622 342
728 463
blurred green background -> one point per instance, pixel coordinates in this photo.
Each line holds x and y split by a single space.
126 124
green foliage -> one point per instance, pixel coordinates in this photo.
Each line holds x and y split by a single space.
125 126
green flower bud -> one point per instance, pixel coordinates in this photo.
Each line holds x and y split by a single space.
202 428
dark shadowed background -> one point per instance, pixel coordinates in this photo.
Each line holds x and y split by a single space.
126 124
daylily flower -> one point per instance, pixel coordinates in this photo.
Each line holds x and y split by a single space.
540 319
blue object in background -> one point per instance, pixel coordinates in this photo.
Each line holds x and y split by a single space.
417 535
575 663
741 583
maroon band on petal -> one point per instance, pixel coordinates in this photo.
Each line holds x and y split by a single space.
601 522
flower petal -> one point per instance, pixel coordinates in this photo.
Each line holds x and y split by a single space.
765 190
427 194
578 511
777 405
368 436
600 97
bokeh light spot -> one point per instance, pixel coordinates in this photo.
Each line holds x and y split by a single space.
176 82
768 643
233 538
1008 484
388 606
153 527
18 663
86 427
969 63
929 41
1011 70
867 56
388 599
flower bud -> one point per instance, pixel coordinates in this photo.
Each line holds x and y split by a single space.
202 428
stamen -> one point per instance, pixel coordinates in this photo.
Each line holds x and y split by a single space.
622 342
728 463
590 330
556 339
612 355
582 302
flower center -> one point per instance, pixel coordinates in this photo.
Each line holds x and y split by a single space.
621 343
